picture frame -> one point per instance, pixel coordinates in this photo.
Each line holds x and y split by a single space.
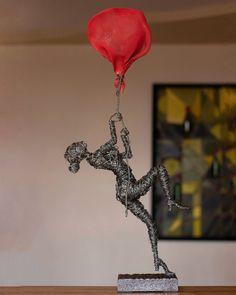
194 137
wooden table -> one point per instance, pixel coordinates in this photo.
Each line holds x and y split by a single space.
111 291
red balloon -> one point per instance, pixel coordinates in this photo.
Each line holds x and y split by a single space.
121 35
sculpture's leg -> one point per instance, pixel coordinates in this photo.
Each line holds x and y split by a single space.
165 267
143 185
139 211
137 208
164 181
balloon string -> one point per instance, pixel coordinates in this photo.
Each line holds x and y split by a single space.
118 91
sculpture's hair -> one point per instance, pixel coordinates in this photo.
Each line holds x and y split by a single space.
74 154
74 167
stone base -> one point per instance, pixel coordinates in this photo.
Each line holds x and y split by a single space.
147 283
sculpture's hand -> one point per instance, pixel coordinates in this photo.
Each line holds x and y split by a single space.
117 117
124 131
172 203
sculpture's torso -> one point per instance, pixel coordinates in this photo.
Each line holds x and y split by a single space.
113 161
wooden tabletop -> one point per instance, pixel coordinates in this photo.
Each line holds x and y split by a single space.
111 291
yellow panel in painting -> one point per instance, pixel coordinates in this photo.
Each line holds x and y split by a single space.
197 228
190 187
178 100
216 112
222 132
192 145
197 211
231 135
208 159
172 165
194 188
175 108
196 105
175 225
217 131
231 155
192 97
186 94
227 97
162 104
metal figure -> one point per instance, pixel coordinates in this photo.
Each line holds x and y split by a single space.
128 189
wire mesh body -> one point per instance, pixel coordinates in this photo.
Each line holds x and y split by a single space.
128 189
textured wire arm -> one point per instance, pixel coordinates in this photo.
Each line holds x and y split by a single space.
128 153
108 145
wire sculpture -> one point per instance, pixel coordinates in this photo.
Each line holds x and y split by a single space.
128 189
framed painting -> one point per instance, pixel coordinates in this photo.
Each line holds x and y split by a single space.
194 136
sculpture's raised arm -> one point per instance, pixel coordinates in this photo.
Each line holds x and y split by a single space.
109 144
125 138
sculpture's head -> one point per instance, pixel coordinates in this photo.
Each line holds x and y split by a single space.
74 154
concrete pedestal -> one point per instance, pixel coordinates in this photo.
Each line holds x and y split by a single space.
147 283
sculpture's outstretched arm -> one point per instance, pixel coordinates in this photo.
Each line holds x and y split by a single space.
109 144
125 138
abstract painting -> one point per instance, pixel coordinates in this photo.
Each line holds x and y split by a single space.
194 136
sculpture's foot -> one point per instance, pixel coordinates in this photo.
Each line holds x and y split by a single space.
161 263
